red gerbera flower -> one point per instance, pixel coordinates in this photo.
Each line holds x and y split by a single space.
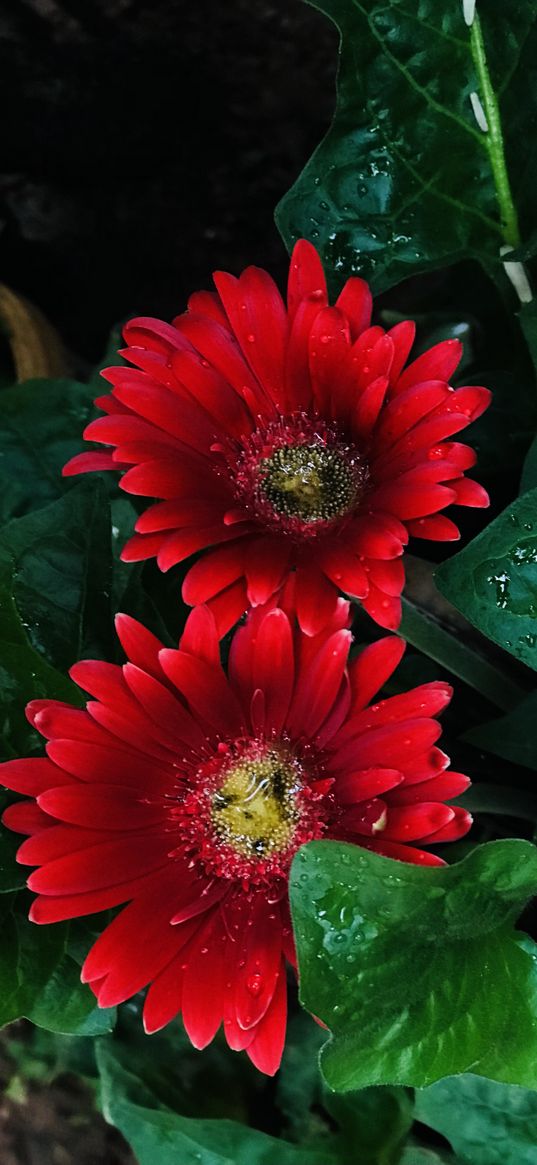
286 439
186 791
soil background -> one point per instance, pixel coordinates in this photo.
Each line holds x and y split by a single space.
143 144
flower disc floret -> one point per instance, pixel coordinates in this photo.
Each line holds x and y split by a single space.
298 477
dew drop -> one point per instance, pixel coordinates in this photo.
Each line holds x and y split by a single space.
254 985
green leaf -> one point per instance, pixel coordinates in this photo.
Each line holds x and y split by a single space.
42 425
160 1134
529 472
39 981
501 436
462 660
500 800
417 1155
405 180
12 876
485 1122
55 577
493 580
375 1119
299 1085
417 971
528 322
25 676
512 737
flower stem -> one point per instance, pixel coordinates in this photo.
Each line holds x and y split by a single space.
493 139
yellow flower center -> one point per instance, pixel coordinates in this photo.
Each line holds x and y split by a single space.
255 810
310 482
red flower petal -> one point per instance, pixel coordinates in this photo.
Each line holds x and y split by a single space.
410 822
259 962
316 599
32 775
228 606
402 853
119 964
140 645
440 788
105 807
88 463
266 1049
318 686
273 668
437 527
205 688
202 1002
266 565
306 277
457 827
345 570
438 363
257 315
200 636
366 783
384 610
25 817
329 346
373 667
356 302
214 573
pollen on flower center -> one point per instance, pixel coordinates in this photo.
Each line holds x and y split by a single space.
311 482
255 810
298 475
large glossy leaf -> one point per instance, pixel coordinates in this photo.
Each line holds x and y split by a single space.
406 179
416 971
40 981
55 577
493 580
158 1134
486 1123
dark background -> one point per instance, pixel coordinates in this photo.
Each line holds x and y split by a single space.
144 143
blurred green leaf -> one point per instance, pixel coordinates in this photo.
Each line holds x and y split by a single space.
55 577
417 1155
12 876
486 1123
158 1134
417 972
512 737
39 981
41 429
25 676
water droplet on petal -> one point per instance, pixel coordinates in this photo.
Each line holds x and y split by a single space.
254 984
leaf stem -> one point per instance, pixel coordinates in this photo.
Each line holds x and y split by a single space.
424 632
493 138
